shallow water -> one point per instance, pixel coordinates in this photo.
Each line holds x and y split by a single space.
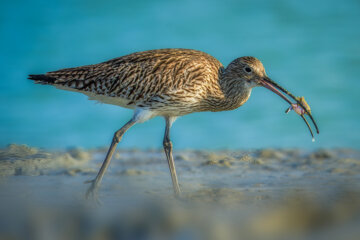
310 47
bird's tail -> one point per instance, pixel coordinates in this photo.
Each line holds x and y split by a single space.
42 79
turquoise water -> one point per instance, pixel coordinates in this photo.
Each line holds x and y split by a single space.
311 48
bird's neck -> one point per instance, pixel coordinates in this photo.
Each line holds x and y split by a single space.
235 91
229 93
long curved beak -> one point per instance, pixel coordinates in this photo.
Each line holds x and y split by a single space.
274 87
266 82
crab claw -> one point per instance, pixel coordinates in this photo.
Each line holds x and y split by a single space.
288 110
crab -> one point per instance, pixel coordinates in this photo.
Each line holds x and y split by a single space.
299 109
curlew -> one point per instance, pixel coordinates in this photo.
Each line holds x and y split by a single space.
168 83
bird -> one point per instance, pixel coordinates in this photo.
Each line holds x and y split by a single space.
169 83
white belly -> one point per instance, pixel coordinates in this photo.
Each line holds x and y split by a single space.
122 102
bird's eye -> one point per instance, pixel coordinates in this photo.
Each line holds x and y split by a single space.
248 70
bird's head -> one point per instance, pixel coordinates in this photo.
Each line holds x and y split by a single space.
244 73
249 72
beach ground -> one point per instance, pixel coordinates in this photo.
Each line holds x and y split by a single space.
254 194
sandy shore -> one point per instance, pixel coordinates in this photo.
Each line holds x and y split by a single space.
272 194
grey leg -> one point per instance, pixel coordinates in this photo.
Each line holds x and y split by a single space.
92 190
168 151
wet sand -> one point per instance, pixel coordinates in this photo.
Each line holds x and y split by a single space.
263 194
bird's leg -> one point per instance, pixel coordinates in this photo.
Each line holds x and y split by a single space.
168 151
92 190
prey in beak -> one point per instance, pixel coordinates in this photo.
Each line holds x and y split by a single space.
300 107
251 72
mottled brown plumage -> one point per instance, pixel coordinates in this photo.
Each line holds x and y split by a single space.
164 82
170 82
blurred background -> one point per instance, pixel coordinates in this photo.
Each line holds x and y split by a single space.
310 47
311 192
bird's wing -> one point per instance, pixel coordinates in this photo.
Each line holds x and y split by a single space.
139 75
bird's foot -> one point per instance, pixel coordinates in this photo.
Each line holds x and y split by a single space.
92 191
